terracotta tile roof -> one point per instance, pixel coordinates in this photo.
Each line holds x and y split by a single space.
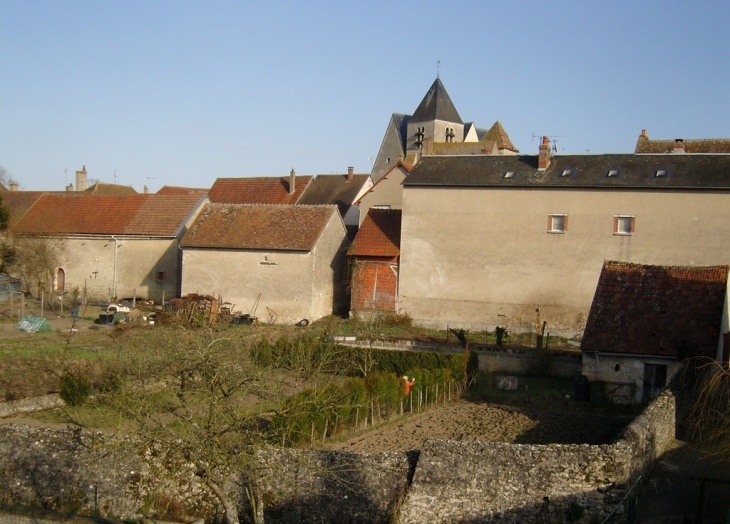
102 188
177 190
656 310
703 145
108 215
258 190
18 203
334 190
498 135
379 234
266 227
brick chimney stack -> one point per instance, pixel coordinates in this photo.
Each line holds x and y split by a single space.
679 147
13 185
145 190
292 181
543 157
350 172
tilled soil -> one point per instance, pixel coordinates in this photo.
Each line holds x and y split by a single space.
476 421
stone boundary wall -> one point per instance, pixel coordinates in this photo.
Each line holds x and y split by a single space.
493 360
29 405
445 481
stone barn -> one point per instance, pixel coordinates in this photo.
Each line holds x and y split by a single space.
645 320
285 261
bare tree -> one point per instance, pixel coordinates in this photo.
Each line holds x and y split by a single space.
710 415
34 261
187 398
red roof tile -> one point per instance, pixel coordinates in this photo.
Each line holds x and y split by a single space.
269 227
102 188
379 234
259 190
177 190
108 215
656 310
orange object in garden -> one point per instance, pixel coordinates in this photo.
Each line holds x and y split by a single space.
409 384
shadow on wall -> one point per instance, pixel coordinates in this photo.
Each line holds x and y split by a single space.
340 286
297 486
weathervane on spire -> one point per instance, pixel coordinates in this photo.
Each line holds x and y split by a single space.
438 69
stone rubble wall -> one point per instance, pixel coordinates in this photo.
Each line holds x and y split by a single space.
29 405
445 481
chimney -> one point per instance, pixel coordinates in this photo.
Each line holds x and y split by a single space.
145 190
81 179
543 157
70 187
350 172
292 181
679 147
643 133
13 185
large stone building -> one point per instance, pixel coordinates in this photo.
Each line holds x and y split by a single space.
112 246
436 128
489 239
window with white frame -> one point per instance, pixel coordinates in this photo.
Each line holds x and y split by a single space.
557 223
624 224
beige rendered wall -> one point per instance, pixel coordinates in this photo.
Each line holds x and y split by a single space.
89 265
329 263
470 255
388 192
285 284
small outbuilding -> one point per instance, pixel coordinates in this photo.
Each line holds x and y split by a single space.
375 256
645 320
281 263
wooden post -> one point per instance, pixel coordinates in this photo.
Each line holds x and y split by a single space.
134 298
401 407
437 393
11 303
357 417
163 297
311 439
60 298
410 397
425 404
337 419
43 297
324 433
372 413
22 305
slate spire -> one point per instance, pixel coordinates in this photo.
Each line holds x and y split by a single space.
436 105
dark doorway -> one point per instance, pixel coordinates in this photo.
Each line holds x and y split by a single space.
655 378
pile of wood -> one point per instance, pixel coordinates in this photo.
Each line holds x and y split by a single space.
194 309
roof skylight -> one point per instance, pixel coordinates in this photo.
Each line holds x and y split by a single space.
660 173
509 174
566 172
612 173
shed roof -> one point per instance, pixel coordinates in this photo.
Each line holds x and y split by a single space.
257 190
564 171
666 311
265 227
334 190
155 215
179 190
379 234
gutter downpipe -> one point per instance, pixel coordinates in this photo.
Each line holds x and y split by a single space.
114 281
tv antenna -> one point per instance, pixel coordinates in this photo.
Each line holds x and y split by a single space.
149 184
551 139
438 69
114 173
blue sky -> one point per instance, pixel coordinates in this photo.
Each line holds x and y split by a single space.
180 93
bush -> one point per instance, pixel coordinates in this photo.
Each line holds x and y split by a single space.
75 388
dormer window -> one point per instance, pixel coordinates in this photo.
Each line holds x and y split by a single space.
660 173
566 172
612 173
509 174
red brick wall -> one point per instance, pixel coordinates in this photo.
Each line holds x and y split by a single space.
375 283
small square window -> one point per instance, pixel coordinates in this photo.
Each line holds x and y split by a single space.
566 172
612 173
659 173
159 275
382 206
557 223
624 224
509 174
